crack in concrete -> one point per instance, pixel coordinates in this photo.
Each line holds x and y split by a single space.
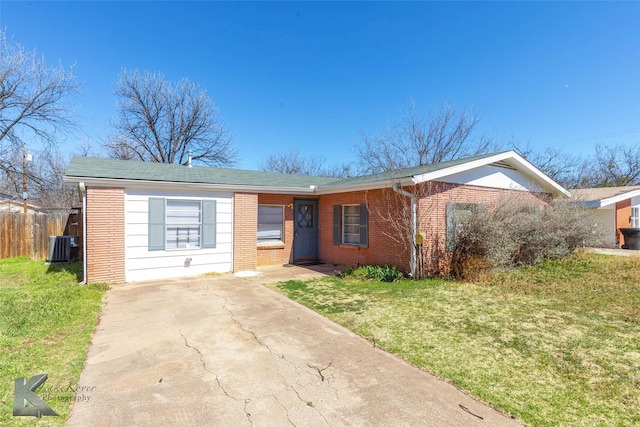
305 402
286 411
246 411
260 342
320 370
296 368
215 376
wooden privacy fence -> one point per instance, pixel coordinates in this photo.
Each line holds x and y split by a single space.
28 234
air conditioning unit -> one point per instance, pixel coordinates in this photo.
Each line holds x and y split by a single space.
59 248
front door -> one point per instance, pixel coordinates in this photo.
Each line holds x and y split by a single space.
305 230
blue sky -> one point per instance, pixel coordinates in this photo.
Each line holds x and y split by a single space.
319 75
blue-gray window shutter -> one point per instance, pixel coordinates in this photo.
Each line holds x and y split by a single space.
451 208
156 223
364 226
337 216
208 223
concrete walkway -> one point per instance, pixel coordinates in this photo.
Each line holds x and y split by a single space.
226 351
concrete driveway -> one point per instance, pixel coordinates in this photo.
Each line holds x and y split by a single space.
226 351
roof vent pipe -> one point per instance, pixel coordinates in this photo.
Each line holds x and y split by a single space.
189 163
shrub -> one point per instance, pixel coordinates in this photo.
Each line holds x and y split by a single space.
512 233
380 273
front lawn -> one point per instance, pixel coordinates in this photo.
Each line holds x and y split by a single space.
46 324
557 344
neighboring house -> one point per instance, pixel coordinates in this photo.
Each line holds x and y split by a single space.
10 204
148 221
618 207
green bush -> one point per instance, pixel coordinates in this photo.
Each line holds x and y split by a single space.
379 273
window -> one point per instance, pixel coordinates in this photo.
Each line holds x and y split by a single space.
181 224
350 225
635 217
456 214
270 224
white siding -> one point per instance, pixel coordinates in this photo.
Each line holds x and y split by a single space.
607 218
494 177
142 264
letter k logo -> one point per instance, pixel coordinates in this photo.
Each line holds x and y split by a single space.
24 394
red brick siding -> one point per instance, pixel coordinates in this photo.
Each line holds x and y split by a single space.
381 249
623 215
431 216
245 231
105 235
278 254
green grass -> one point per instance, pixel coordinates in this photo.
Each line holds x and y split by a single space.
557 344
46 324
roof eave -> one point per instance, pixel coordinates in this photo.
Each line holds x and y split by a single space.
511 157
135 183
619 198
374 185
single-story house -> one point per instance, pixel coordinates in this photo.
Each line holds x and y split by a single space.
11 204
618 207
148 221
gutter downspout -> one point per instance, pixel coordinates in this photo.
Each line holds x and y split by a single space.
414 223
83 193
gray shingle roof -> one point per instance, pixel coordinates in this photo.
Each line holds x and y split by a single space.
87 167
601 193
407 172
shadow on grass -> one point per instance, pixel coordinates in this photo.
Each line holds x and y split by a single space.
74 268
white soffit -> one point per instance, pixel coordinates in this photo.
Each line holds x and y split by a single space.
509 161
494 177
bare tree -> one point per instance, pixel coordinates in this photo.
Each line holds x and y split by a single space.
33 100
568 170
294 163
614 166
418 140
159 121
405 210
49 187
44 179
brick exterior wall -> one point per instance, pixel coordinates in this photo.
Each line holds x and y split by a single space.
245 231
106 246
385 203
278 254
381 249
105 235
623 213
433 214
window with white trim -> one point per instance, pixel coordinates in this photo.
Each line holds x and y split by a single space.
181 224
351 225
635 217
270 224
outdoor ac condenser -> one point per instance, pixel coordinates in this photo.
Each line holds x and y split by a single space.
59 248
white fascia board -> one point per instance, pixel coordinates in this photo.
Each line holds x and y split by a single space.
510 157
164 185
618 198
